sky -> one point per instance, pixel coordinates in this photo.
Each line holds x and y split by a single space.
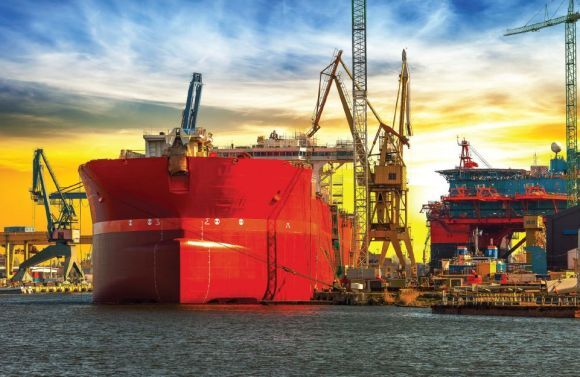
84 79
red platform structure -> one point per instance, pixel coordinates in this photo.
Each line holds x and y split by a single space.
486 206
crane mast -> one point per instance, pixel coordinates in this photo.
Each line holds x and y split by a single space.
571 108
572 183
359 126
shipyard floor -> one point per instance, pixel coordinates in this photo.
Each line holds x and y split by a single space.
64 334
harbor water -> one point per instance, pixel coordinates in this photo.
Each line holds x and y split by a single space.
65 334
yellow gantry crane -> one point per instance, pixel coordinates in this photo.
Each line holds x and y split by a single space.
387 181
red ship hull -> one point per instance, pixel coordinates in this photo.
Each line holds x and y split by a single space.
231 230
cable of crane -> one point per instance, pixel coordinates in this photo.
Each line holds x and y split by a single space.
557 9
487 164
530 20
278 266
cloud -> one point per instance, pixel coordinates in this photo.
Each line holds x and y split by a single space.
39 111
84 78
259 54
35 110
107 67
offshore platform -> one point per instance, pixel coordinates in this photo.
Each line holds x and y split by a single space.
486 206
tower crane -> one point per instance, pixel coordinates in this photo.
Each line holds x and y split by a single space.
59 225
359 126
569 20
189 120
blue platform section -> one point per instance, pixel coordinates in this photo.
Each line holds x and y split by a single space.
558 165
539 259
507 183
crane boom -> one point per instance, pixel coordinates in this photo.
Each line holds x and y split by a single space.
382 125
369 104
544 24
40 195
189 120
329 75
324 85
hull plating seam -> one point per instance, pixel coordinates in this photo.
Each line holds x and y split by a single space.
199 224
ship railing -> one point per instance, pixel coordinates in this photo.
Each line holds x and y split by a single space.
148 132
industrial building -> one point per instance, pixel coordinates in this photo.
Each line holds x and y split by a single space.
562 237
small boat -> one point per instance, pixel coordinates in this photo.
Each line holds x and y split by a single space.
562 286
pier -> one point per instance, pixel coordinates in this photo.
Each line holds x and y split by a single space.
41 288
514 305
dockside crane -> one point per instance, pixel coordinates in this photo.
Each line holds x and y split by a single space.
388 183
573 184
60 219
333 73
380 192
189 119
387 179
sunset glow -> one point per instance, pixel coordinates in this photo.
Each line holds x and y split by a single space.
84 79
